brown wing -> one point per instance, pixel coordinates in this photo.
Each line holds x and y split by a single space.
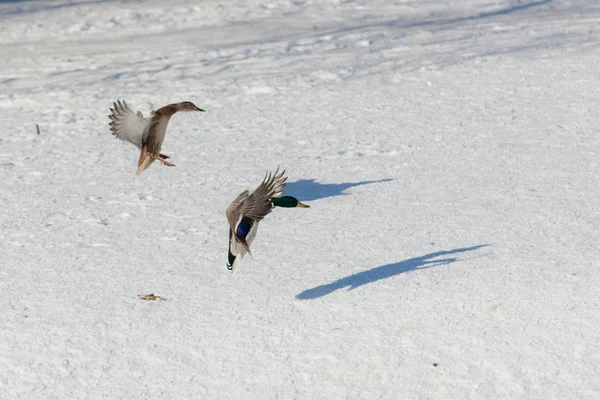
256 205
233 215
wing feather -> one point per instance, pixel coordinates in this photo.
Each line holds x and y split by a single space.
255 205
258 203
128 125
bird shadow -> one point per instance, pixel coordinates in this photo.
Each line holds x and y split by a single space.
309 189
386 271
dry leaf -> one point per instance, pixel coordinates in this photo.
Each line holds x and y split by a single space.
150 296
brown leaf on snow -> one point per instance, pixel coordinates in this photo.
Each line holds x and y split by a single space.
150 296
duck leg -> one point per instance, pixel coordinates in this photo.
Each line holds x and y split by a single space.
165 162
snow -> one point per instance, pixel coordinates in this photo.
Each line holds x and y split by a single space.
448 151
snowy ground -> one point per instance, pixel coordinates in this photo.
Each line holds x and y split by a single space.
449 154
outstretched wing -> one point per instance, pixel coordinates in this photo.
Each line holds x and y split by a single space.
254 206
128 125
258 203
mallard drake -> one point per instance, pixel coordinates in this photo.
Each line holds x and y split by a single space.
146 133
249 208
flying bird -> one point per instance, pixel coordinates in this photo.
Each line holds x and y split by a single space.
249 208
146 133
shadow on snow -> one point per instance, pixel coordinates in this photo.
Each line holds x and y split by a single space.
385 271
309 189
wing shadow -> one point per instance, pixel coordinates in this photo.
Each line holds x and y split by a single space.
309 189
385 271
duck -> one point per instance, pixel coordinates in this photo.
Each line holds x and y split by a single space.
249 208
147 134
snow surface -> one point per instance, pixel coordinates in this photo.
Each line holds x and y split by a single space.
449 152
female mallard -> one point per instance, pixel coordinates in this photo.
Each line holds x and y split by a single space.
251 206
146 133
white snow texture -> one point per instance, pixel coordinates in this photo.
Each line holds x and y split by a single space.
449 151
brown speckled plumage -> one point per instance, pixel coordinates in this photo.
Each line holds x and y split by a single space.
147 134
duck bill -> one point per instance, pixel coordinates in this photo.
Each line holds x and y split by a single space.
302 205
199 109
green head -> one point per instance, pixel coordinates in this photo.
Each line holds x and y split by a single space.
288 202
